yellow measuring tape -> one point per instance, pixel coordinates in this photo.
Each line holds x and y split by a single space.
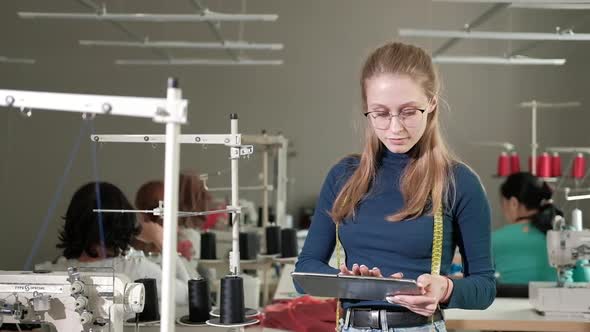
338 246
437 240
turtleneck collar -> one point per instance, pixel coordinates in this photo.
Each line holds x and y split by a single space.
392 158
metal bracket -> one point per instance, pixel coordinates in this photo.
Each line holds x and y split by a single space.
244 150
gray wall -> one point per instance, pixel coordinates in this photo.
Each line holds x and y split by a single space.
313 99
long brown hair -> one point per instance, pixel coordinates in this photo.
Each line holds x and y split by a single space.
192 196
427 177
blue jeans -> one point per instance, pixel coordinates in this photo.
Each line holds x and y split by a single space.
439 326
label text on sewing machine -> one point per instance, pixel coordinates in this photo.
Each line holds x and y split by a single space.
30 288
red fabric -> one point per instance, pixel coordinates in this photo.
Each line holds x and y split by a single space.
303 314
185 248
212 219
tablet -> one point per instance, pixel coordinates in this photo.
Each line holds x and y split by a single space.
354 287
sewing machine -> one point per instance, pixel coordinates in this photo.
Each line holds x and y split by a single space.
69 301
565 247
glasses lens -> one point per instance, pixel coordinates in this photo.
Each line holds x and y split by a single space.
408 118
381 120
411 118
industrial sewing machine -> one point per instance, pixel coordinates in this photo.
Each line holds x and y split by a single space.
565 247
69 301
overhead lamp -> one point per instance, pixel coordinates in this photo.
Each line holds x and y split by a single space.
517 1
494 35
489 60
566 6
200 62
206 16
232 45
4 59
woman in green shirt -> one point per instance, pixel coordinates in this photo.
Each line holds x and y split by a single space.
519 248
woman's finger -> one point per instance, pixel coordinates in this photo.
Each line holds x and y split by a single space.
417 300
364 270
375 272
397 275
344 270
413 308
424 280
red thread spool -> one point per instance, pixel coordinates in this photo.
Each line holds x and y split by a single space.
555 165
544 166
503 164
514 163
579 168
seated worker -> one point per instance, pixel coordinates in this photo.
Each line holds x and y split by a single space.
148 197
520 248
193 197
81 240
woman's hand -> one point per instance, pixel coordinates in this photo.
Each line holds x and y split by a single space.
437 289
362 270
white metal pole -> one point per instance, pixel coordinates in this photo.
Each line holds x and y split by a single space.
169 252
234 263
281 208
265 184
534 138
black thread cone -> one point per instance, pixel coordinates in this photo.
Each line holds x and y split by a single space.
208 246
232 300
199 304
151 310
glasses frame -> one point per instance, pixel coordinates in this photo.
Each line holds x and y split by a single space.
391 116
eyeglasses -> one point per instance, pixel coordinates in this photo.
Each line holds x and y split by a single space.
409 118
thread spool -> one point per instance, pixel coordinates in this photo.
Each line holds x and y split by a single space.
151 311
199 304
249 245
503 164
273 240
514 163
544 166
577 220
579 168
271 215
555 165
289 243
208 246
232 309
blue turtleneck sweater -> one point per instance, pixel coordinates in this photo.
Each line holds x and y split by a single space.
405 246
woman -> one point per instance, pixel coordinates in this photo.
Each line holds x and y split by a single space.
520 248
193 197
381 203
91 239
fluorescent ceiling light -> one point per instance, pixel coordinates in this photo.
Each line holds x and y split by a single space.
232 45
537 104
159 18
566 6
488 60
518 1
200 62
494 35
4 59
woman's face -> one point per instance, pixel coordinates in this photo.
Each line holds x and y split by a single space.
150 231
401 97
